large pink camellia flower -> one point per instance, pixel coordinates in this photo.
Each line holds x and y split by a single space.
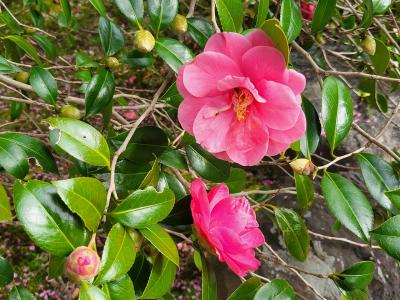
241 102
226 224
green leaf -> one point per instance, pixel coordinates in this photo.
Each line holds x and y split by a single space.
162 13
13 159
84 196
294 231
348 204
237 180
247 290
208 281
140 273
262 12
44 84
381 6
8 20
277 289
355 294
32 148
173 159
24 45
160 239
80 140
206 165
99 6
20 293
322 15
121 289
7 68
309 141
132 9
290 19
368 13
304 190
5 209
118 255
230 14
46 44
379 177
171 182
172 96
56 266
46 219
337 111
85 61
173 52
16 109
66 10
358 276
394 197
111 36
199 30
388 236
99 92
137 59
181 214
381 59
91 292
161 278
144 207
274 30
6 272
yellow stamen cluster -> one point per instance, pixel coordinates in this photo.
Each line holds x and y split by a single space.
241 101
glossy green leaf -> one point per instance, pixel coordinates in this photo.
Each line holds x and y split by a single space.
230 13
13 159
290 19
262 12
46 44
91 292
66 10
99 92
172 96
181 214
118 255
357 276
162 13
323 14
6 272
173 159
137 59
237 180
367 14
206 165
394 197
274 30
355 294
247 290
304 190
20 293
309 142
337 111
167 180
85 61
388 236
199 30
208 280
379 177
161 278
381 6
140 273
12 25
294 231
24 45
56 266
381 59
173 52
111 36
277 289
7 68
5 209
16 109
84 196
32 148
99 6
132 9
348 204
46 219
121 289
44 84
80 140
144 207
160 239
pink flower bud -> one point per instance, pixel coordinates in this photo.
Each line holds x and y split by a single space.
131 115
307 10
82 264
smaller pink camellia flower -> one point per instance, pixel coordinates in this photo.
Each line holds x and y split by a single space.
307 10
226 226
131 115
82 264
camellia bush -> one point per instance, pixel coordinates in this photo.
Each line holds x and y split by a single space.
132 128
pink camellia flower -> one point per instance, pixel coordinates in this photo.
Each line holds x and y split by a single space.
307 10
241 102
130 115
226 225
82 264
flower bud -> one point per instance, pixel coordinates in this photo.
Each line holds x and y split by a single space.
82 264
70 111
320 38
302 166
112 63
179 24
22 77
369 45
144 41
